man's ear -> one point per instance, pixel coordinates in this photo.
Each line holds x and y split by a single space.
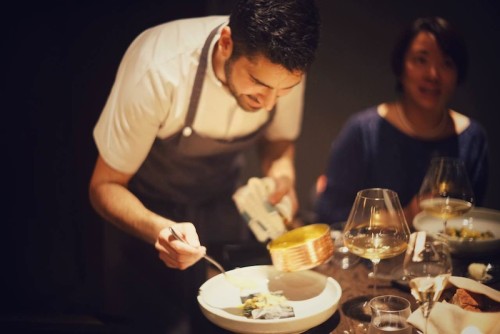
226 42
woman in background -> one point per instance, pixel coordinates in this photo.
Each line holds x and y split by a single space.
390 145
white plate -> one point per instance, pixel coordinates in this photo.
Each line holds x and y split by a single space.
482 219
313 296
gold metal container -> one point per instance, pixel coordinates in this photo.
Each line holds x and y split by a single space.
302 248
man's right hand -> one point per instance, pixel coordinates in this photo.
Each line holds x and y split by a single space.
177 254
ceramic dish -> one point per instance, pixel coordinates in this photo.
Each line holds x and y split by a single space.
313 296
479 219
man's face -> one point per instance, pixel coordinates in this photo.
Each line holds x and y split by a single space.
258 83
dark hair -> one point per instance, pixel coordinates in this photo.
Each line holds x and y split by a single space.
284 31
449 40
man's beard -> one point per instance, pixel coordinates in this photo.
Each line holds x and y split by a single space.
228 70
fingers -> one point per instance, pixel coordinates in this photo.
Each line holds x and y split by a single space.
178 254
294 200
284 187
189 233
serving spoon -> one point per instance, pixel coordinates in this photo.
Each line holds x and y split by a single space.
206 257
240 282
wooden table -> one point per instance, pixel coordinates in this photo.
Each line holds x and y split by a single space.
356 284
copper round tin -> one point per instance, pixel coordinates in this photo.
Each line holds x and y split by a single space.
302 248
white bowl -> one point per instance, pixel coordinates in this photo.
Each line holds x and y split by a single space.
313 296
482 220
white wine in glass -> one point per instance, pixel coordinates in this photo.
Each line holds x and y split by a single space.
376 228
427 265
446 191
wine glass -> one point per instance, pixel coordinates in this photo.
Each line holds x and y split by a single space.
427 265
376 228
342 257
446 191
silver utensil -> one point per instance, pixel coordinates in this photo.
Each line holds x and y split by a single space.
208 258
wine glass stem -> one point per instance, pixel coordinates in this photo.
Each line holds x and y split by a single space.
375 263
426 310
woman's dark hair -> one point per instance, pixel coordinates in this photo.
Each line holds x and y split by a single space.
284 31
448 38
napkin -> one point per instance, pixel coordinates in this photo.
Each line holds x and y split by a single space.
450 318
266 221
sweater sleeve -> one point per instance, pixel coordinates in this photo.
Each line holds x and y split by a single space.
345 173
476 153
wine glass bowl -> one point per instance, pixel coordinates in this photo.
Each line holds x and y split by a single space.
446 191
376 228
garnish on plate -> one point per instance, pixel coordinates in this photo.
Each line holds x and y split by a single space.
468 233
269 305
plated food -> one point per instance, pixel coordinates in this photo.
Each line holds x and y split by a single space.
312 297
475 233
472 301
467 232
267 305
478 271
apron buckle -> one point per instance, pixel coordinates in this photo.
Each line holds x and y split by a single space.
187 131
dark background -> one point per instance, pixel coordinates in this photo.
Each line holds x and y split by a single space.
59 60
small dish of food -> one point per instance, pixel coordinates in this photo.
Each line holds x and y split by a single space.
279 302
475 233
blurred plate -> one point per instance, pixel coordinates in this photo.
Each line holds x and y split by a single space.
482 220
313 296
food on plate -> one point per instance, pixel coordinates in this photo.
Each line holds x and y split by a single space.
269 305
465 300
476 302
466 232
477 271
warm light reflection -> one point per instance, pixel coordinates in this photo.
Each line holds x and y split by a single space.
471 330
443 188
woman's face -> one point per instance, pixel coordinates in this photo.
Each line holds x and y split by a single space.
429 77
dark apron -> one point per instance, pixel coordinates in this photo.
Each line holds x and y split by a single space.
186 177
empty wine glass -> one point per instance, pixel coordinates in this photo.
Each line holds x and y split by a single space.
446 191
376 228
427 266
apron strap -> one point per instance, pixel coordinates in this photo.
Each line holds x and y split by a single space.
198 80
